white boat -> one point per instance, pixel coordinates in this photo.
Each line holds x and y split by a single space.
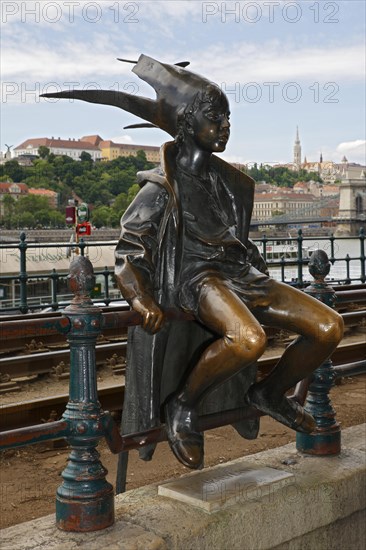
288 250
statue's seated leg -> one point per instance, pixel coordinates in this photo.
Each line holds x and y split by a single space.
185 442
288 412
320 330
242 342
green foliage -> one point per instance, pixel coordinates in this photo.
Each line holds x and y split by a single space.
108 186
281 175
43 151
31 203
86 157
26 220
13 169
30 211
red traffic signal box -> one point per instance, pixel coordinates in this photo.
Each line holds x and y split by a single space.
83 229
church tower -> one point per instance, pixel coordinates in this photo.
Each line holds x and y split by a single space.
297 150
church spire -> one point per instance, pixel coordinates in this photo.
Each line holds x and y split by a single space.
297 150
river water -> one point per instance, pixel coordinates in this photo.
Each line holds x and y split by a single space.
338 272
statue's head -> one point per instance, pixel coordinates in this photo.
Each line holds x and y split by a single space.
185 102
206 120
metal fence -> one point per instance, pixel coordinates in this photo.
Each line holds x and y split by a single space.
25 291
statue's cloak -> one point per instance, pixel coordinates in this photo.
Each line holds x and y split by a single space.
148 259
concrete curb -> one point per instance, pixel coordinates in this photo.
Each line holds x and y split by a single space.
321 509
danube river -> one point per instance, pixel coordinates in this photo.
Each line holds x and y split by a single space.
338 272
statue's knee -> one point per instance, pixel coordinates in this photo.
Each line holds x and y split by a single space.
250 345
331 329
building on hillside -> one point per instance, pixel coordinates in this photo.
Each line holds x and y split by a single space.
301 187
69 147
26 160
111 151
284 203
316 188
50 195
329 171
263 187
12 189
96 146
93 140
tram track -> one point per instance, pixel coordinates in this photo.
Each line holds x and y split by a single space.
44 358
35 364
36 411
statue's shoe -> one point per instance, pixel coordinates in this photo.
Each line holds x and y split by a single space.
185 442
288 411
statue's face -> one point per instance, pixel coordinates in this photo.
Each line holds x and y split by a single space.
210 124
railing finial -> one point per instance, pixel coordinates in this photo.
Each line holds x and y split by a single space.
319 265
81 278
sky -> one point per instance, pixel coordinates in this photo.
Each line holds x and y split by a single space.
282 64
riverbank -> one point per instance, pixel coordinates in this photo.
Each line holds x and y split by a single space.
110 234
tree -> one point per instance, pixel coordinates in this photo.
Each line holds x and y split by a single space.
120 204
5 177
113 219
100 216
9 205
43 217
32 203
132 192
13 169
86 157
57 219
98 195
43 151
26 220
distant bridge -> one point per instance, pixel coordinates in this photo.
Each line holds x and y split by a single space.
289 220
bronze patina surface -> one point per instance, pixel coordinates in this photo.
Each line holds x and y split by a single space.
184 244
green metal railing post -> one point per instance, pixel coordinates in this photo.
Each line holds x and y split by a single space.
106 274
299 259
54 278
23 276
362 254
84 501
82 245
264 241
348 276
326 438
283 265
332 239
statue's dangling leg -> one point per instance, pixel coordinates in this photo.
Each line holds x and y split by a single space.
242 342
320 329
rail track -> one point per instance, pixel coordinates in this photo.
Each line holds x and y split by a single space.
28 413
37 358
31 349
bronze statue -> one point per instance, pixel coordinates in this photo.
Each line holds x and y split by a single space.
184 244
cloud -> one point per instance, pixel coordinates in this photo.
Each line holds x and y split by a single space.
277 61
355 149
270 61
122 139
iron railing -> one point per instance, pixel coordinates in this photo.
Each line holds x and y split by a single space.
285 256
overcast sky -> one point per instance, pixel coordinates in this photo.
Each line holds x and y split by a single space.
281 63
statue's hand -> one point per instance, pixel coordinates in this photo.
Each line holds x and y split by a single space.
152 315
